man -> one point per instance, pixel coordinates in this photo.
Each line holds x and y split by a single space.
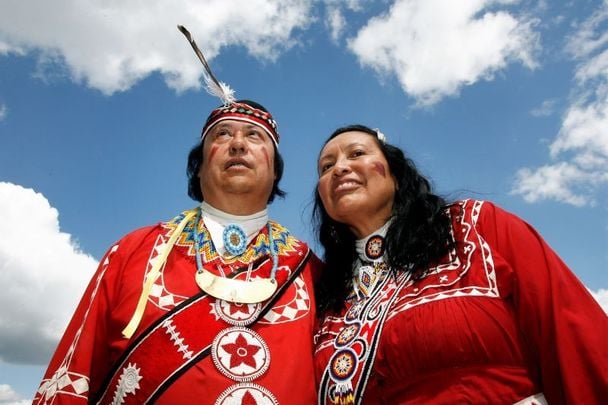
213 306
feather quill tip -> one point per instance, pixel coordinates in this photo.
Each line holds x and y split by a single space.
224 92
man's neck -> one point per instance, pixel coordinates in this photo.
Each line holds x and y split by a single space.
209 209
236 206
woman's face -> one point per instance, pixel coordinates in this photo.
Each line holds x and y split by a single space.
355 182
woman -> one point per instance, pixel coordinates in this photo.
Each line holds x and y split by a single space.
425 302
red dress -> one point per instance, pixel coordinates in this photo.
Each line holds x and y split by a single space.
499 320
231 362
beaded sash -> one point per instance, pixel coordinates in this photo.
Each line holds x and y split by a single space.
174 343
346 375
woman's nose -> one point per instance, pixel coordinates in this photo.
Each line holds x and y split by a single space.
341 167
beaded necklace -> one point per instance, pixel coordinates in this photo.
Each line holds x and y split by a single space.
246 291
369 267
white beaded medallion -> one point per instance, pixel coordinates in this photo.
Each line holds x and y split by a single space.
240 354
235 240
236 313
246 394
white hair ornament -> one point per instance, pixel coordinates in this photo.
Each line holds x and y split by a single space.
381 137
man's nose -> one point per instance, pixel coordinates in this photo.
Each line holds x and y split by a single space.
237 143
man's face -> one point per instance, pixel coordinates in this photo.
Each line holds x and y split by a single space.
237 171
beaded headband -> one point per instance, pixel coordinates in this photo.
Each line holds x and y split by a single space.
230 108
243 112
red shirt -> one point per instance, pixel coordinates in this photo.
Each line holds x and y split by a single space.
93 343
501 319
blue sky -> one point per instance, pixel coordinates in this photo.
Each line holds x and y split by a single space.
101 101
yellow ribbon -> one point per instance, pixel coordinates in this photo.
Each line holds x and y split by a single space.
152 276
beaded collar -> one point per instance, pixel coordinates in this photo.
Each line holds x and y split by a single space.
372 247
370 267
241 291
218 221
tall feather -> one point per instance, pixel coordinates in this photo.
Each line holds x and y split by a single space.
212 85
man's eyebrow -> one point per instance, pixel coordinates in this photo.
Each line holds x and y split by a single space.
223 125
231 125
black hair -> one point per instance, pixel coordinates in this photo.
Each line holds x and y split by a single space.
195 159
419 235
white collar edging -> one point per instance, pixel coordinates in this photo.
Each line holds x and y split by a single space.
216 220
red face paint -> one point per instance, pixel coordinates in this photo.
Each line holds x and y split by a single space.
379 167
266 157
212 152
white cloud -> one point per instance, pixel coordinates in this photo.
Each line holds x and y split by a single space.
595 67
601 296
545 109
9 397
561 182
3 111
110 46
335 20
590 35
579 153
42 273
353 5
435 47
336 23
7 48
585 132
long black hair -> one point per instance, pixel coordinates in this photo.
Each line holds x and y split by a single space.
419 234
195 159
